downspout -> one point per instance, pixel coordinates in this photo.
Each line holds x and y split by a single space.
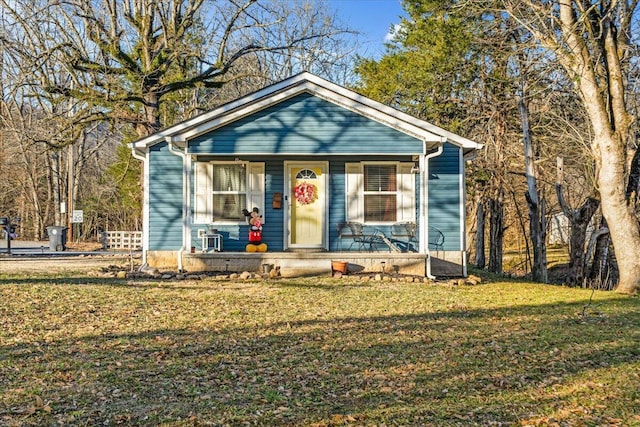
185 194
463 214
145 205
424 193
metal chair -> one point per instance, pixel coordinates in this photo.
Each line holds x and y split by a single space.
436 240
355 232
405 231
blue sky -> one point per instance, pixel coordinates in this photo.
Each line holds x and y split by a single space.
373 18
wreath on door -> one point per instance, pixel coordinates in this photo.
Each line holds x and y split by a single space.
305 193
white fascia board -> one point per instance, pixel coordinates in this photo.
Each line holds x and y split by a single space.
307 82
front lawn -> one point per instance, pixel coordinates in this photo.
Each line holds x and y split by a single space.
315 352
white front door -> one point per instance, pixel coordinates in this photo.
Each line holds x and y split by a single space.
307 216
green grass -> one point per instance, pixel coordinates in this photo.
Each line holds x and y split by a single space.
315 352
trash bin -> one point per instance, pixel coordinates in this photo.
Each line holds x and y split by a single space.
57 238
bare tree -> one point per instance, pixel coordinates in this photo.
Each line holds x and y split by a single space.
138 64
123 58
592 41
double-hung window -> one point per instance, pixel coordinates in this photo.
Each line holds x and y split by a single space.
229 191
224 189
380 192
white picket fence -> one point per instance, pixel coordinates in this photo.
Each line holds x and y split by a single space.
123 240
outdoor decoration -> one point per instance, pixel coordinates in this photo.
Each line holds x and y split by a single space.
305 193
255 231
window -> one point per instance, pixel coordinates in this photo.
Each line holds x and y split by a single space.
224 189
380 193
229 191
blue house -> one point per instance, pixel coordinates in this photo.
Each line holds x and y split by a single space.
335 176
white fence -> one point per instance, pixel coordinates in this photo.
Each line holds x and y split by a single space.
127 240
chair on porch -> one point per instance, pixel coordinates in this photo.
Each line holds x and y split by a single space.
405 231
355 232
436 239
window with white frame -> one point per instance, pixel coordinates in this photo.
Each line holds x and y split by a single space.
380 192
229 191
224 189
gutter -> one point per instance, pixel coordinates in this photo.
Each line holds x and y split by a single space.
185 194
424 197
138 156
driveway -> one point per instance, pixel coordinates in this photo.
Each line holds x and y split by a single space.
35 256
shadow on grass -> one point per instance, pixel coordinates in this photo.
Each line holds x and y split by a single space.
455 367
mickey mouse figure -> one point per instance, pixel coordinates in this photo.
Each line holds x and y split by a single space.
255 231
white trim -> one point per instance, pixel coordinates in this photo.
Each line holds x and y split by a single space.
302 154
247 193
353 199
202 192
355 190
307 82
287 209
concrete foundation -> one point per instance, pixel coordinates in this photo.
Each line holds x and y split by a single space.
291 264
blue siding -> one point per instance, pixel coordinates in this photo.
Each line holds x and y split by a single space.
337 201
444 196
305 124
165 191
165 199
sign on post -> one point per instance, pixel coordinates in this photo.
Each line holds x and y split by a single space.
77 217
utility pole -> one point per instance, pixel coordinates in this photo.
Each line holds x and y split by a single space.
70 192
70 179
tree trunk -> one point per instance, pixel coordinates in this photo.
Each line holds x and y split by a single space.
538 234
496 233
621 219
537 223
604 269
600 79
151 122
480 258
579 220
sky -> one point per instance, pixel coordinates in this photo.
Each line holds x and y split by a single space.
374 18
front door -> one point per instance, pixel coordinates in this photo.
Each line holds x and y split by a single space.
307 204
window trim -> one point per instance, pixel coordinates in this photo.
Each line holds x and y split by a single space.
213 194
405 187
365 193
252 196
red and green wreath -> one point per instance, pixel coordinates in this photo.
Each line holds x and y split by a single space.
305 193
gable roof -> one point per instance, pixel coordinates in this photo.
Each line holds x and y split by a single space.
306 82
